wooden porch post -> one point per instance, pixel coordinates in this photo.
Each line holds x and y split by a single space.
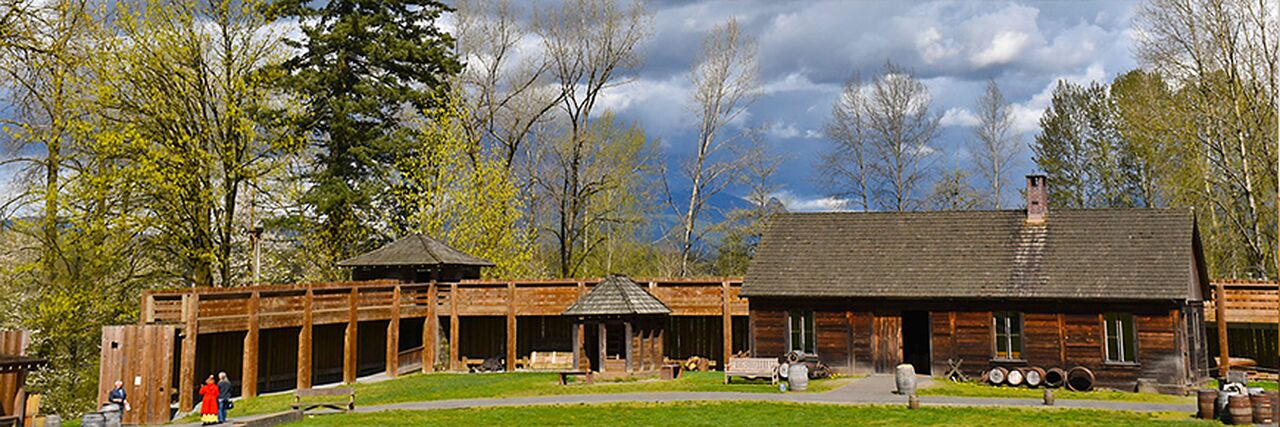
351 343
603 351
641 338
430 335
304 343
249 366
1220 307
454 361
576 341
393 335
511 326
626 335
187 371
727 319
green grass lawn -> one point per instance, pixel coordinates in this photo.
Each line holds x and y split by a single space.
722 414
970 389
444 386
1266 385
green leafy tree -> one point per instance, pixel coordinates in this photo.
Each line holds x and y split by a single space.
361 65
1081 148
456 191
189 113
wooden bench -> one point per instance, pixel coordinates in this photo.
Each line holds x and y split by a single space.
752 367
564 376
550 361
336 404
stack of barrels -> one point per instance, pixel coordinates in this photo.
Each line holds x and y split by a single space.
1236 405
1078 378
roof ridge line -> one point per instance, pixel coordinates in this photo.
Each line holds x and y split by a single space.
426 247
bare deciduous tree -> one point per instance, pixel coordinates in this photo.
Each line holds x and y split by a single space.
900 126
724 78
846 168
589 43
505 82
995 142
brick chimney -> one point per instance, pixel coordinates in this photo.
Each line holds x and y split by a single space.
1037 199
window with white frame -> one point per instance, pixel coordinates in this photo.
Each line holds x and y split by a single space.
1008 327
1122 338
801 330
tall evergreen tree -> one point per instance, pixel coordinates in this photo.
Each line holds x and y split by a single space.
361 67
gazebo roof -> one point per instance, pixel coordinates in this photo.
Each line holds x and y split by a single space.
617 295
411 250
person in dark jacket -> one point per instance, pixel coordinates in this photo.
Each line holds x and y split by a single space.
118 397
224 396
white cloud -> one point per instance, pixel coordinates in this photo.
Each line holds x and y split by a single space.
958 117
796 203
793 82
1006 46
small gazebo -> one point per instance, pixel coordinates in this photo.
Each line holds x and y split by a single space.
415 258
627 324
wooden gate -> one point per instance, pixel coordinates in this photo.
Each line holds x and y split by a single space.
886 342
142 357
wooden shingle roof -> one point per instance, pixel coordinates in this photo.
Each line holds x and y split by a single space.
414 249
1121 254
617 295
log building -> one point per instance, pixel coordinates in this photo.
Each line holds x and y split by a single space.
1119 291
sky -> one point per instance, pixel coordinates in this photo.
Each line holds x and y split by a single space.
808 49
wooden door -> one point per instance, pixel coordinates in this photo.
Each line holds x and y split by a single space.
12 343
142 357
886 342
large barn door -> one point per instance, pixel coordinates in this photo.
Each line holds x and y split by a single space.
886 342
142 357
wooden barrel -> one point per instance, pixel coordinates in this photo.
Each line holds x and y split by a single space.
1263 405
1033 376
997 375
1080 379
1015 377
1239 409
1055 377
1204 400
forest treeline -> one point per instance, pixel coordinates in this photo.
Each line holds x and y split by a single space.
219 143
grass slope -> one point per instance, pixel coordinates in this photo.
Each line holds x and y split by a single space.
948 388
724 414
445 386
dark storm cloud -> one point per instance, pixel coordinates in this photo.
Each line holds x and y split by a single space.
808 48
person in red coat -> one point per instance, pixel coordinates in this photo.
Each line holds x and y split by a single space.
209 402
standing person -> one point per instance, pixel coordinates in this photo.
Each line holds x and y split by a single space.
209 402
224 396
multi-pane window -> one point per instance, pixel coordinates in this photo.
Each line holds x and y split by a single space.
801 325
1122 337
1008 325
